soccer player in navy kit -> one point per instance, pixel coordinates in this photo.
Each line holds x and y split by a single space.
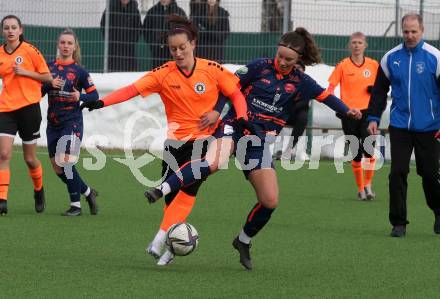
271 87
65 120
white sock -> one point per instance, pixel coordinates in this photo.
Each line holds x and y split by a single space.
76 204
159 239
87 193
165 188
244 238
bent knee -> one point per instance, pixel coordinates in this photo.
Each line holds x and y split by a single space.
5 155
270 201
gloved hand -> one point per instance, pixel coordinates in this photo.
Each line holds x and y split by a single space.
245 127
92 105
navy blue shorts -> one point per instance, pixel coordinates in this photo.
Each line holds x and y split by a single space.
251 151
69 135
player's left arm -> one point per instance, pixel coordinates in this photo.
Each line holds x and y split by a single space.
91 94
312 90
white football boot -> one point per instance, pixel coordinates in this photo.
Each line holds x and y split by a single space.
166 258
154 251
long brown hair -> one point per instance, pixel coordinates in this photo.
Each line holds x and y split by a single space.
301 41
77 52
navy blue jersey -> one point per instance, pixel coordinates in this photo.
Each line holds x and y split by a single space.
270 96
62 106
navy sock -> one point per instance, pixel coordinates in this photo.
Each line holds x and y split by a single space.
257 219
63 177
83 186
189 174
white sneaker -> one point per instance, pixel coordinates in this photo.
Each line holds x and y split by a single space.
166 258
153 251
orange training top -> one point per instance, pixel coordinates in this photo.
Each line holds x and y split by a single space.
20 91
188 96
354 80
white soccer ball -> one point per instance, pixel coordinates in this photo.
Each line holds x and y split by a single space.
182 239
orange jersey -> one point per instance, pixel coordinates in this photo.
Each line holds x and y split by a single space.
188 97
19 91
354 80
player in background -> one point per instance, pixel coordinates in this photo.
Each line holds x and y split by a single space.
65 120
356 75
297 122
22 69
189 88
271 87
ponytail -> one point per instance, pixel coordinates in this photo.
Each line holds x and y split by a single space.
302 42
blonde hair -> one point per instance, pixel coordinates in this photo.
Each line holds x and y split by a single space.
76 55
358 34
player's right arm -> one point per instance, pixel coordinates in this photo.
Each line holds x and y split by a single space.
144 86
335 78
378 100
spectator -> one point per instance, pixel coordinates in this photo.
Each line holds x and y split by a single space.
412 70
125 28
213 23
156 27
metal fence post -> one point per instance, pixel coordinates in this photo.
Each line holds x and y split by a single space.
397 22
106 34
287 14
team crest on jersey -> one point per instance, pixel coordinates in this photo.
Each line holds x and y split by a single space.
19 60
242 71
367 73
289 88
420 67
70 76
199 87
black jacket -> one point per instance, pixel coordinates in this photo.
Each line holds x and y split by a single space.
155 22
212 33
125 22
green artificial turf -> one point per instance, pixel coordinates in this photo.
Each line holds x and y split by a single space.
320 243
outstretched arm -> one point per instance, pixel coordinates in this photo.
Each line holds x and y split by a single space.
118 96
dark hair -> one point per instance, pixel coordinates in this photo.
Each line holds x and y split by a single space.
302 42
21 37
178 24
76 55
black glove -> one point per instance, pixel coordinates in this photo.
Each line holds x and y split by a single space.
242 125
370 89
92 105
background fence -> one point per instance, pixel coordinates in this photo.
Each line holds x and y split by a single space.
255 26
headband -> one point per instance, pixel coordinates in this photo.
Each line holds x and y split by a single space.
291 48
176 30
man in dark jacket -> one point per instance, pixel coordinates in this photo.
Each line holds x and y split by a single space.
156 27
124 31
213 24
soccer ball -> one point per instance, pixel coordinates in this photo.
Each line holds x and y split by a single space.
182 239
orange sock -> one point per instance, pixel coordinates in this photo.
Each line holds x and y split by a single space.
36 175
4 183
369 171
358 174
178 210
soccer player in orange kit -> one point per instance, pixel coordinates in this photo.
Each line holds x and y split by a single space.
189 88
356 75
22 69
